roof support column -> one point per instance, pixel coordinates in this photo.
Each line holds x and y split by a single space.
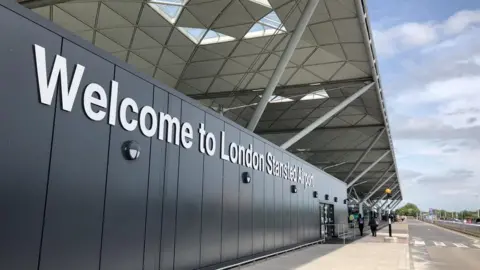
367 169
362 157
371 192
282 64
326 116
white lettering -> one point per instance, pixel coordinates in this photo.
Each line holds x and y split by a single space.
241 155
233 153
96 106
46 89
128 102
201 145
261 163
149 132
255 161
222 146
187 133
89 100
269 163
112 115
248 156
173 125
211 144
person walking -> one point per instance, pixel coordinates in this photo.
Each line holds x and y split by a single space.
373 223
360 221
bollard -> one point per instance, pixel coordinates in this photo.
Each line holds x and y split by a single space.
390 226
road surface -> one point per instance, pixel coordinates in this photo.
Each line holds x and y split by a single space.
435 248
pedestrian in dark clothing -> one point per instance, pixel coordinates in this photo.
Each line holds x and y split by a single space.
361 222
373 223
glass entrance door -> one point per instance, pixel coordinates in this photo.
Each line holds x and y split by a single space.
327 220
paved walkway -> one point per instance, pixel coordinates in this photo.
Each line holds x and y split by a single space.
367 253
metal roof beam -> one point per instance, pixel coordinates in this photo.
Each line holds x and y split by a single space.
39 3
367 169
362 157
326 116
326 151
375 189
296 130
250 92
385 195
383 175
282 64
397 203
348 163
394 197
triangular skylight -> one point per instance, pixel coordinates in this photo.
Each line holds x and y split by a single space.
320 94
269 25
278 99
262 2
169 9
204 36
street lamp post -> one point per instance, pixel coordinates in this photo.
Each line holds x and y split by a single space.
389 192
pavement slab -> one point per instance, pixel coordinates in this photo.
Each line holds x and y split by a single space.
366 253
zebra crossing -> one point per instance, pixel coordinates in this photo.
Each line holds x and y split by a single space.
422 243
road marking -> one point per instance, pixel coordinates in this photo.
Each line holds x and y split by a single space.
476 245
460 245
419 243
439 244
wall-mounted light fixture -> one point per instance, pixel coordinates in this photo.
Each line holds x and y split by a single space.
293 188
246 178
345 201
131 150
326 197
315 194
335 199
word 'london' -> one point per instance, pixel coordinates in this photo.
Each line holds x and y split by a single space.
149 121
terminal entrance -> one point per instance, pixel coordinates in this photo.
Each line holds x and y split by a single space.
327 220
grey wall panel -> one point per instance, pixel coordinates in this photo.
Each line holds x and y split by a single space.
26 133
269 207
279 205
189 201
170 209
287 201
231 182
127 181
296 207
78 172
259 213
169 213
245 223
156 179
211 238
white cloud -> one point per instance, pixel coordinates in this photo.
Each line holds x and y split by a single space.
433 97
461 21
404 36
455 101
420 34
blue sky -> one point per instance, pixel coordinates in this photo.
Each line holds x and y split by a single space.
429 60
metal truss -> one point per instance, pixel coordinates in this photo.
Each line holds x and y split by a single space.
362 157
282 64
